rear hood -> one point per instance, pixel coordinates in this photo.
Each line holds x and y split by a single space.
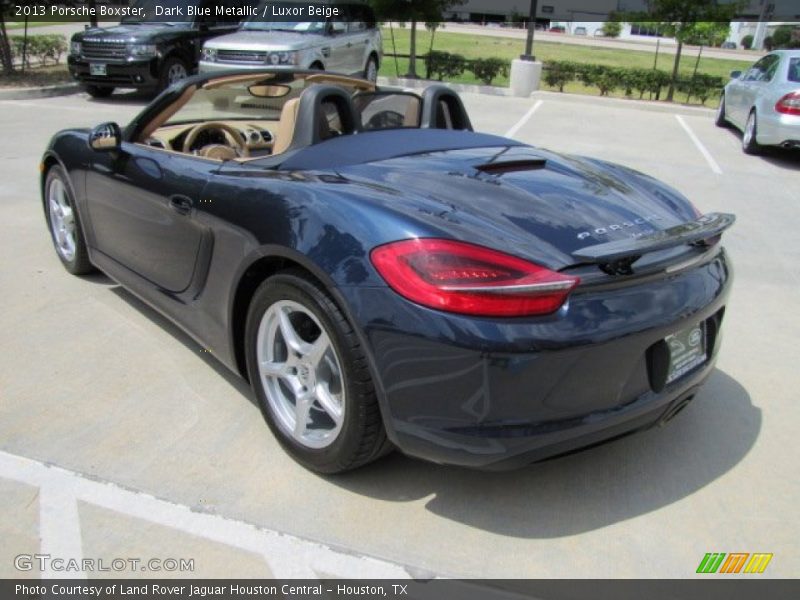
529 201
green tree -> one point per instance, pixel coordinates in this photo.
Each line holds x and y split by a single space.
782 38
679 19
413 11
612 29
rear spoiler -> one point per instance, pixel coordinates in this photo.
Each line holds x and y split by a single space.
707 226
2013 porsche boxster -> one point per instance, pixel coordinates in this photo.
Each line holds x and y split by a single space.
386 277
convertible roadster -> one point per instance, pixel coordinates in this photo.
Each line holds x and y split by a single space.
386 277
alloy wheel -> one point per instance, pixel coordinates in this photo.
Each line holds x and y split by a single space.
301 373
177 72
62 220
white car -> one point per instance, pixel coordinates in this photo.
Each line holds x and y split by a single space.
348 43
764 102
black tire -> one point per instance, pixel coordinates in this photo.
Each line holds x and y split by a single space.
371 69
98 91
750 144
362 437
721 120
78 263
170 72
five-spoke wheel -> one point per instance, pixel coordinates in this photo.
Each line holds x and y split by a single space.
310 375
62 217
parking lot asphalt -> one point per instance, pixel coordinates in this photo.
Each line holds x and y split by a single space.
163 453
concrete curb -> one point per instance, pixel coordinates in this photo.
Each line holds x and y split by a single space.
489 90
648 105
41 92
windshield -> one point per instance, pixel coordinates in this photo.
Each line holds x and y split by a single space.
169 12
794 69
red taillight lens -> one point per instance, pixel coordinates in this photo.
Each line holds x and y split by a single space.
789 104
471 280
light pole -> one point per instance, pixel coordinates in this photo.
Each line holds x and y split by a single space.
531 26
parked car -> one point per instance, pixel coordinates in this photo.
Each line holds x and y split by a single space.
764 102
386 277
557 29
728 45
349 43
147 53
580 31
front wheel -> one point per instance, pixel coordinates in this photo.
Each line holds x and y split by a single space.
172 71
750 144
64 225
310 376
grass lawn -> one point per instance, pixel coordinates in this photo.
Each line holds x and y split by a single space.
15 25
37 77
484 47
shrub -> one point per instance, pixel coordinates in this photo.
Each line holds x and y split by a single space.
486 69
701 86
443 65
747 41
612 29
559 73
41 47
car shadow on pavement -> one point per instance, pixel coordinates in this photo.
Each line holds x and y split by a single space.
239 384
124 97
587 490
778 157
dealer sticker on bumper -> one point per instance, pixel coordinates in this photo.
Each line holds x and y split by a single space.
687 350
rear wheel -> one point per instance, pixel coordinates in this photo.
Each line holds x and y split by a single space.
371 70
62 219
98 91
721 120
749 143
310 375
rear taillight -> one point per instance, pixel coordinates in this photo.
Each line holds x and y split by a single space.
473 280
789 104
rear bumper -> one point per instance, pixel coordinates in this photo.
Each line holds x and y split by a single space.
500 394
775 129
132 73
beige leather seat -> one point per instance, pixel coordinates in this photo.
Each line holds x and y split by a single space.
285 133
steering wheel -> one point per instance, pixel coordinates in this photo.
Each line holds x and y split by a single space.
238 144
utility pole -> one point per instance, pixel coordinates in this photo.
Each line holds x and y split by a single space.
531 26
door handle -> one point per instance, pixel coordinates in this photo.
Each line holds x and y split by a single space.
181 204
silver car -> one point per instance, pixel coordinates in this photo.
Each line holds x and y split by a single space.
764 102
348 43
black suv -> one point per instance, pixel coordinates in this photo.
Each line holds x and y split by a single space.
148 53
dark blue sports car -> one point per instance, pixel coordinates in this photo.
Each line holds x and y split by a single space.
385 277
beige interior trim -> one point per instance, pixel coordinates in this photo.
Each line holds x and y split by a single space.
359 84
215 83
285 132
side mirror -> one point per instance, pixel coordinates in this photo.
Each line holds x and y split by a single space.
736 74
106 137
337 27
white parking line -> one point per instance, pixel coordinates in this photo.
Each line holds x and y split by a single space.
287 556
521 123
703 150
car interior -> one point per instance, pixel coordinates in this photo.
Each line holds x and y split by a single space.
242 117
